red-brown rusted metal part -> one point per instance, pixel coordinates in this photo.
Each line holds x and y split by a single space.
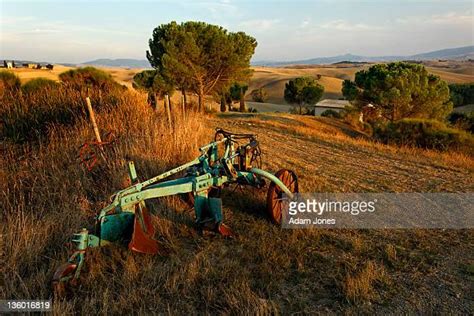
225 230
143 231
274 195
89 152
63 271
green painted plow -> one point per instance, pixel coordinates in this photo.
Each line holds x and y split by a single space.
229 159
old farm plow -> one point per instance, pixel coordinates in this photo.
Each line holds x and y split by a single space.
230 159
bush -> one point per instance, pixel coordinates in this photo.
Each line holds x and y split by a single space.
462 94
259 95
464 121
39 84
304 110
30 116
424 133
89 77
252 110
9 81
331 113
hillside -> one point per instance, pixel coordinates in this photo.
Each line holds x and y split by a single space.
122 63
459 53
273 79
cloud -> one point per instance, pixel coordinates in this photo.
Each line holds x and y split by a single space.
343 25
260 24
305 23
219 7
7 20
449 18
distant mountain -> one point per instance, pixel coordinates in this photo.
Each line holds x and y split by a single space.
123 63
450 53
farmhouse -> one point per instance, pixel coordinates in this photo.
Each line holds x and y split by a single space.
329 104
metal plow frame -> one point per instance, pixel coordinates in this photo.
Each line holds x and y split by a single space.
126 217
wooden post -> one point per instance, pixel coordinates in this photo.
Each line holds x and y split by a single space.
168 112
183 107
92 117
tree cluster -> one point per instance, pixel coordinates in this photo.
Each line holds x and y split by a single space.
399 90
462 94
303 91
200 58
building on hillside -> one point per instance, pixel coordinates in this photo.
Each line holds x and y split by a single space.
29 65
329 104
9 64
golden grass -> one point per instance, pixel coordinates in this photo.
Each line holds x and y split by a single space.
360 287
340 133
46 196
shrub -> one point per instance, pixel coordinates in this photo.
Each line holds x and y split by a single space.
39 84
304 110
252 110
464 121
461 94
30 116
331 113
424 133
9 81
259 95
351 116
89 77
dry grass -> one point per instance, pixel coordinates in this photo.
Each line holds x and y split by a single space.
360 287
46 196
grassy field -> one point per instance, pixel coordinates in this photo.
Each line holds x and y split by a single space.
47 196
273 79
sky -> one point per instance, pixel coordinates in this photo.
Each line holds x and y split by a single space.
80 30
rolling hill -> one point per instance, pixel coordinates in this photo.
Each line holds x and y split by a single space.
122 63
462 53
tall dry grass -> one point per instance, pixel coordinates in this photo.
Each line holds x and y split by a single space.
46 195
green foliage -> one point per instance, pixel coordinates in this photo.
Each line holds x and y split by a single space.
201 57
152 81
464 121
89 77
430 134
303 91
349 90
331 113
39 84
301 110
9 81
237 91
399 90
462 94
259 95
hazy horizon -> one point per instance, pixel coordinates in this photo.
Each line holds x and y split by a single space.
84 30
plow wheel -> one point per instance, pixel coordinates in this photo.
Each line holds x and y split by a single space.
275 194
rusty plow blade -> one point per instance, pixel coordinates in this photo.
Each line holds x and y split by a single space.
143 231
